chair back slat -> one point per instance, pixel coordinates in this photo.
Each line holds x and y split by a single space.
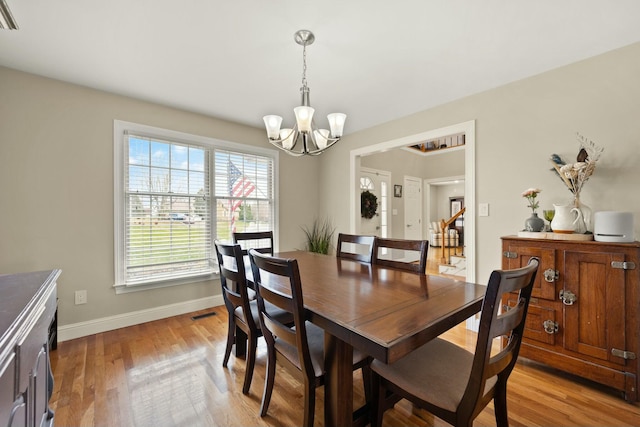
262 241
269 273
493 324
358 242
420 247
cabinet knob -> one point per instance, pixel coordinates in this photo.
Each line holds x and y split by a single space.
551 275
567 297
550 326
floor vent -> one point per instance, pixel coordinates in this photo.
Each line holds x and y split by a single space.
201 316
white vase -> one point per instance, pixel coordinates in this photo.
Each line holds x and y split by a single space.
585 223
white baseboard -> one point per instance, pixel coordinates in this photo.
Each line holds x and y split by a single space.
83 329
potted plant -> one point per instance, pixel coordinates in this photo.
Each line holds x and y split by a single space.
319 236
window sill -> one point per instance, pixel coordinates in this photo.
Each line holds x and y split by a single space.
125 289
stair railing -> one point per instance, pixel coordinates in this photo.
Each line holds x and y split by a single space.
446 236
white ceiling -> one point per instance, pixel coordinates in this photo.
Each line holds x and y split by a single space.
375 60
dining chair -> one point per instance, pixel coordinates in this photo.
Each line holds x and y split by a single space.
409 263
355 242
299 348
262 241
244 322
451 382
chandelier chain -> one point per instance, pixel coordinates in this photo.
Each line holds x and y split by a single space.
304 66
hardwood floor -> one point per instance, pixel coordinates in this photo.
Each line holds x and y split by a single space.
169 373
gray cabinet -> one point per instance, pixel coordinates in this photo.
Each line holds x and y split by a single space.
27 310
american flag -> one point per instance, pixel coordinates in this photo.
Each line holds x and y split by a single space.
239 186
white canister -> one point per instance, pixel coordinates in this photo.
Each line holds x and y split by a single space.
611 226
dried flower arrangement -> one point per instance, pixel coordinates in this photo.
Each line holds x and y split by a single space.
574 175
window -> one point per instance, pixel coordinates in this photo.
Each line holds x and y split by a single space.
174 194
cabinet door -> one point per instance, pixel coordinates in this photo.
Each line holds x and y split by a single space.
7 387
40 387
519 256
595 323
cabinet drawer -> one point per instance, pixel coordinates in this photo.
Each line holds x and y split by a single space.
534 324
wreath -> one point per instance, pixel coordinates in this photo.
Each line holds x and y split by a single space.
368 204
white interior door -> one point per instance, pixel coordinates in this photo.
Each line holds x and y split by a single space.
377 182
412 208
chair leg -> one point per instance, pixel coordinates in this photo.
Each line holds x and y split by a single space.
500 406
268 381
230 340
309 403
377 400
251 361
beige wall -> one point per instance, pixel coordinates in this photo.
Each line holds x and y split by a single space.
517 127
56 187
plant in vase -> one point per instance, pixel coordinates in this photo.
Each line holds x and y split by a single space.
533 223
574 175
319 236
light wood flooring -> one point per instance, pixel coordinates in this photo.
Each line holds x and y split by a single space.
169 373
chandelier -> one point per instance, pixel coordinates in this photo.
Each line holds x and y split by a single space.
304 137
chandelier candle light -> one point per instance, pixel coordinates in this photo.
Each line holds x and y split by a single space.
304 135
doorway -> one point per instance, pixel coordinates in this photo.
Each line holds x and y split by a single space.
468 128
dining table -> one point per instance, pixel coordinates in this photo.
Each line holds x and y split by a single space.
383 312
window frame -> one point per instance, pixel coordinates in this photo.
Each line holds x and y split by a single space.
120 130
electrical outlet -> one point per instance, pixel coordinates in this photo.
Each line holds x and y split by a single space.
81 297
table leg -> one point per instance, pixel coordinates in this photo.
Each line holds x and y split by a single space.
338 386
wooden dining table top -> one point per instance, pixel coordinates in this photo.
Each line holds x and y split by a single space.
382 311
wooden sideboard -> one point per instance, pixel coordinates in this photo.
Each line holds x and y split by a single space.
583 315
27 310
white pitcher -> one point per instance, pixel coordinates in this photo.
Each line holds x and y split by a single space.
564 220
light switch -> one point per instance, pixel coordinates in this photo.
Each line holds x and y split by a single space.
395 212
483 209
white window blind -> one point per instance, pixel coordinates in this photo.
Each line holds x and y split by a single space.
167 210
244 193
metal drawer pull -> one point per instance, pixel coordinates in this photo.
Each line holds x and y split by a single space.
551 275
567 297
550 326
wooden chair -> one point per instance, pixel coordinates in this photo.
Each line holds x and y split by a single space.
300 348
262 241
358 241
244 322
450 382
419 246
